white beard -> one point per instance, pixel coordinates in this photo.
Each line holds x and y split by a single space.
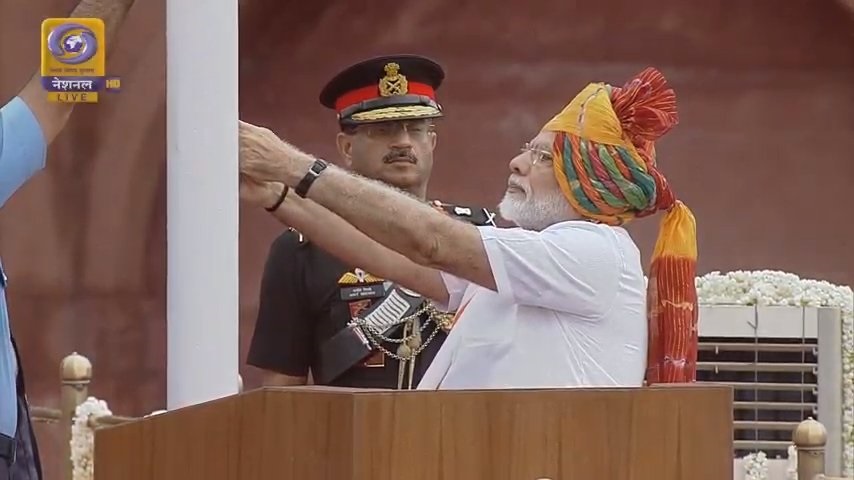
536 212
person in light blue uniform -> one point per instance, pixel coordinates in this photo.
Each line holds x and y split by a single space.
22 154
28 124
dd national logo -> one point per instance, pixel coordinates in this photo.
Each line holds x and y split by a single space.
73 60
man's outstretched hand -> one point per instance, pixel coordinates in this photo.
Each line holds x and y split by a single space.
266 158
260 151
264 194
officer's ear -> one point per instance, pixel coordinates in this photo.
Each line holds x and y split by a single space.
433 135
344 142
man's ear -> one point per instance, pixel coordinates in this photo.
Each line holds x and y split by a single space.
344 143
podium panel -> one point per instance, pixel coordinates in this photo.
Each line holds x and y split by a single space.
670 432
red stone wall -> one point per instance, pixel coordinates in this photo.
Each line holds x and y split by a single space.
763 155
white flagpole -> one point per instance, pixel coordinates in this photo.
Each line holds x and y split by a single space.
202 201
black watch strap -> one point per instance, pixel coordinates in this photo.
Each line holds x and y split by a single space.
316 169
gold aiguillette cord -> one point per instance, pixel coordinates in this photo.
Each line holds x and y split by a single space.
414 345
404 352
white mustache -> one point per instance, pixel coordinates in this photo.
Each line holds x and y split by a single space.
511 183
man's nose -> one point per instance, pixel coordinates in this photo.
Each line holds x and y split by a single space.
400 137
520 164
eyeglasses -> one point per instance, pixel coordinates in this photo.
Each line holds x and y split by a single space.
538 155
417 130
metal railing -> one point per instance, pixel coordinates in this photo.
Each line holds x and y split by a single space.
784 364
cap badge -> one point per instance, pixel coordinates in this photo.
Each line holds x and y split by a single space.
393 83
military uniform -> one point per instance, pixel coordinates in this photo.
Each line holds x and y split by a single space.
346 326
342 323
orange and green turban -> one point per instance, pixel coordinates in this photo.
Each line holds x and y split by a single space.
605 164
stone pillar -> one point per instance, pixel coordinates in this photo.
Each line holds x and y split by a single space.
201 201
809 438
75 371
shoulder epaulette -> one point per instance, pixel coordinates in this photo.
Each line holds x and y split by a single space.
475 215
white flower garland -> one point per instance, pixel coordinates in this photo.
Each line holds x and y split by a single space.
774 288
755 466
83 437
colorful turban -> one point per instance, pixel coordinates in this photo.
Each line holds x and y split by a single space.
606 167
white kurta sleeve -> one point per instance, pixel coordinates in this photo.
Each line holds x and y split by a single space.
572 267
456 289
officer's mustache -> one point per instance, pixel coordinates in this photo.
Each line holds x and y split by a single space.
400 155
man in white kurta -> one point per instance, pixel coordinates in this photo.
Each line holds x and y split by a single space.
561 300
569 311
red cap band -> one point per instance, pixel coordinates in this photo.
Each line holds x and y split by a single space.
372 92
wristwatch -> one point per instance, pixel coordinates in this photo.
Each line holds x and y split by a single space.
316 169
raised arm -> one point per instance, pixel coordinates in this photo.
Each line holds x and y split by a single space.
342 240
420 233
29 123
53 116
390 217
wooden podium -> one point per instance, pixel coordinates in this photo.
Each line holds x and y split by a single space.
677 432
